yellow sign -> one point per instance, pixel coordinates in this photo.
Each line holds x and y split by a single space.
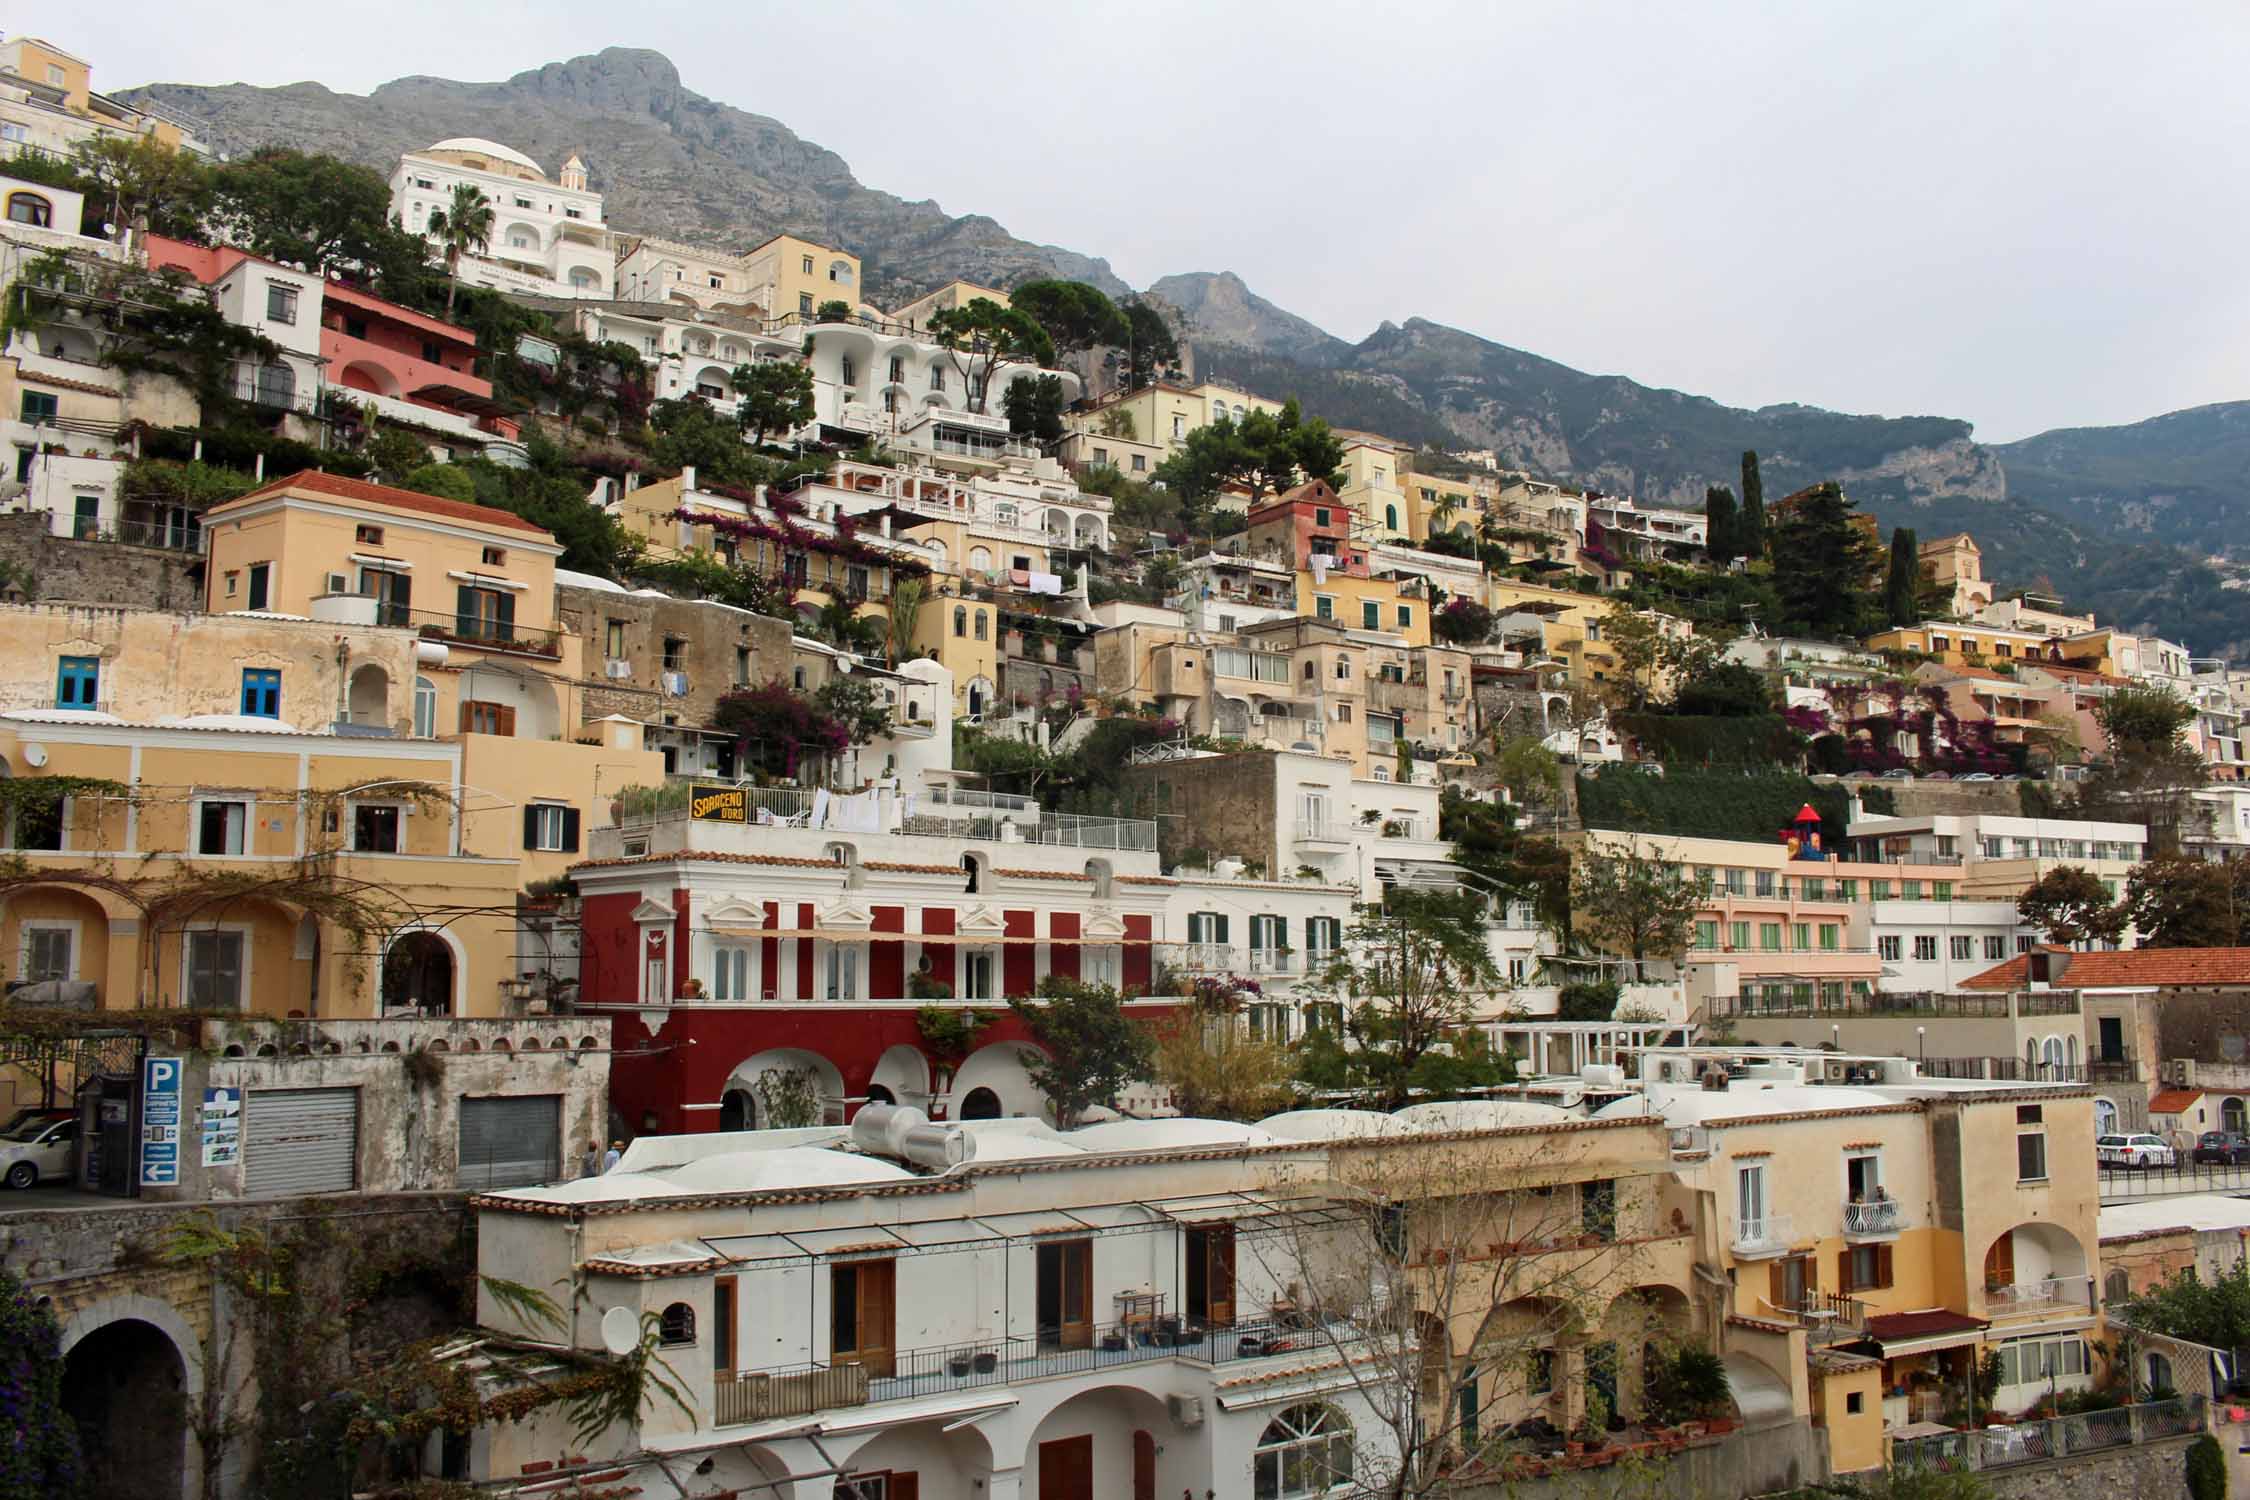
719 804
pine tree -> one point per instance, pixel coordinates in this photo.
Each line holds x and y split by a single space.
1823 565
1720 524
1751 532
1902 587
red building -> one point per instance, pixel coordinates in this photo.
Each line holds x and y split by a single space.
1307 522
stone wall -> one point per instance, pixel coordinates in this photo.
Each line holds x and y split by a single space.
1951 799
2152 1469
1770 1461
48 567
2209 1026
1220 803
709 635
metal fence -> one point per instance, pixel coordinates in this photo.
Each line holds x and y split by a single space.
2056 1437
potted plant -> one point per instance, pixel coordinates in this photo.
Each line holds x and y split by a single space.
1592 1430
986 1361
957 1363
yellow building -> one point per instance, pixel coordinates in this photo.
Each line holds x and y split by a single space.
1960 644
954 294
1371 484
1165 414
476 587
57 83
1397 606
1956 563
787 275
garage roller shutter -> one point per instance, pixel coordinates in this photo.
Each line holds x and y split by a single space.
510 1142
301 1140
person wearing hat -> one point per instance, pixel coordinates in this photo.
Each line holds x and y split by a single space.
616 1149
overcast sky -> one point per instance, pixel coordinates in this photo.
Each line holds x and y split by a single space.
2030 215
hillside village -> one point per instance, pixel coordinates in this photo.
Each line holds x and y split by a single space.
1433 980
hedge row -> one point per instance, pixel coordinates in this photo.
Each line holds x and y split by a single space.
1717 803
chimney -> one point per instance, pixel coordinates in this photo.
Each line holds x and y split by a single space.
687 478
2048 967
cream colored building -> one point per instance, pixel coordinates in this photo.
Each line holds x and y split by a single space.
48 103
792 277
952 296
1164 414
652 269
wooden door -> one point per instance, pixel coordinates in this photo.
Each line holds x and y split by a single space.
1210 1274
1066 1469
2000 1261
1144 1466
861 1314
1066 1294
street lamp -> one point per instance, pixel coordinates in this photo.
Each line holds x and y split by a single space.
1921 1044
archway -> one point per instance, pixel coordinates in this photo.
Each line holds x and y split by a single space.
1099 1432
362 375
2232 1116
419 973
371 697
2105 1117
878 1094
790 1088
980 1104
998 1067
738 1110
125 1386
900 1073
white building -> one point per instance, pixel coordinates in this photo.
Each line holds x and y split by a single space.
690 352
886 380
650 269
547 234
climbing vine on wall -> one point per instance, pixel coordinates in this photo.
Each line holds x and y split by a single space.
38 1440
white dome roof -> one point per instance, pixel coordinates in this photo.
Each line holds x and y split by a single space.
1330 1124
1165 1135
1740 1100
1479 1114
493 149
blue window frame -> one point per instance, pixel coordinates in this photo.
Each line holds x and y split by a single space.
78 681
261 693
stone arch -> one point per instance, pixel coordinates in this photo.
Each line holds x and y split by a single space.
421 964
370 697
1642 1323
929 1449
145 1328
903 1071
827 1079
997 1068
980 1103
521 236
2233 1115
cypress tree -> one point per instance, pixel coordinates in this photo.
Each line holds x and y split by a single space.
1902 586
1720 524
1752 528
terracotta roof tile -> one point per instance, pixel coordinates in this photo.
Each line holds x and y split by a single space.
2172 1101
382 494
1044 875
899 869
2130 968
1920 1325
693 856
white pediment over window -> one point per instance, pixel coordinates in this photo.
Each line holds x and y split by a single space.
980 921
847 916
1102 928
652 910
735 917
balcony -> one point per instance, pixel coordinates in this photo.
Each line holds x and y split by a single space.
2072 1294
1763 1238
1829 1318
1206 958
758 1395
476 631
1877 1220
1273 961
942 812
1327 836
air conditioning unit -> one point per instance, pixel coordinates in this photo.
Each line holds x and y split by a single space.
339 583
1185 1410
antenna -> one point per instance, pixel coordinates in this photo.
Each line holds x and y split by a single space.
621 1331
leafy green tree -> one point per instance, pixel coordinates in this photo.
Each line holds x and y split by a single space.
2148 773
2206 1469
1635 903
1208 459
688 432
1822 564
463 227
1720 525
834 310
552 493
983 336
300 206
1750 525
1634 638
1266 452
776 395
447 481
1586 1001
1713 687
40 1460
2072 906
1902 585
2178 901
1093 1050
1151 348
394 452
1078 317
1034 408
145 185
856 704
1419 968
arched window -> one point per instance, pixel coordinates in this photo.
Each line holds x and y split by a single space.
960 623
982 630
981 1104
1306 1450
840 270
277 384
1390 516
2159 1377
425 709
520 238
2117 1285
980 559
676 1325
30 208
2232 1116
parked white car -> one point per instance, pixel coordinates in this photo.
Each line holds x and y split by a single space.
2134 1151
38 1146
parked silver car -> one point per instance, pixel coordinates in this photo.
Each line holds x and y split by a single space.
2134 1151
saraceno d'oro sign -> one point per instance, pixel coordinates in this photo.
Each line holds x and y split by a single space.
719 804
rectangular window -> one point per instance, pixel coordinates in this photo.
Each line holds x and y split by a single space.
1706 934
1765 882
1878 890
261 691
1370 614
214 970
1738 935
1207 927
722 1324
613 640
495 557
281 303
730 974
1800 935
1865 1268
1995 949
1597 1208
1847 890
482 614
1925 948
368 536
220 827
549 827
487 718
1828 936
41 406
1406 617
1324 607
261 583
375 828
1963 949
1140 463
1769 936
1890 949
78 681
1943 891
46 953
2031 1157
1912 890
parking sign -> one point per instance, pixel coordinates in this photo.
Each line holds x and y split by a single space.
160 1121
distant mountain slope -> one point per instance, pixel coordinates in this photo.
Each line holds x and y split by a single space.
2182 477
668 161
1222 310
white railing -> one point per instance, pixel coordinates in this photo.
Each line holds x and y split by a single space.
1206 957
1273 961
413 413
1879 1217
1323 833
2038 1296
1769 1234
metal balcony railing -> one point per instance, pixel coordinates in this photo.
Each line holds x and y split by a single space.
475 630
2044 1295
1880 1217
1768 1234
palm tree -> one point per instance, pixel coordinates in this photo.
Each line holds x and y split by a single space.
466 227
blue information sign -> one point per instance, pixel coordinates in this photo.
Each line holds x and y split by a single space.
160 1121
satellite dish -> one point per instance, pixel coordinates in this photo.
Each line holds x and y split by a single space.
35 755
621 1331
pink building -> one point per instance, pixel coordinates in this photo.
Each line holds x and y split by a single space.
1309 521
